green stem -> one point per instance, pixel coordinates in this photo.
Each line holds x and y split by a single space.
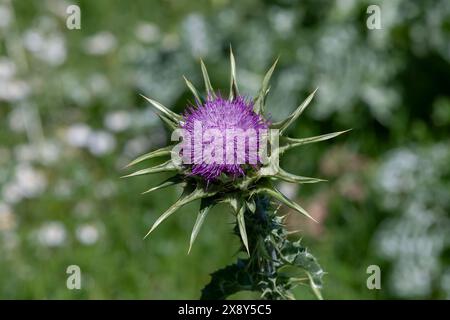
270 252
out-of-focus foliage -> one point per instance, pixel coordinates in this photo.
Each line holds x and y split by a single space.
414 184
71 118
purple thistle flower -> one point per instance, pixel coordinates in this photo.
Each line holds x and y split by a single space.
223 116
234 155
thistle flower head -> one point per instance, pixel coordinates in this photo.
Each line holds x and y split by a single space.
223 115
255 180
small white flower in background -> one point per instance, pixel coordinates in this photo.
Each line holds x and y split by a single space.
195 35
27 183
14 90
49 48
7 69
77 135
381 100
145 118
288 189
31 182
87 234
7 218
283 21
101 142
97 142
56 52
52 234
147 32
100 44
46 153
118 121
5 16
33 40
49 152
412 278
11 193
397 173
250 80
58 8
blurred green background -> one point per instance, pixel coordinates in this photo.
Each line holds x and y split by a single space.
71 118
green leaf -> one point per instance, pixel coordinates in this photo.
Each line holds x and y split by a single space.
205 205
241 224
294 254
251 205
193 90
260 99
234 91
165 151
276 172
187 197
246 181
315 289
270 190
164 167
290 143
289 177
227 281
166 183
169 123
166 111
313 270
284 124
209 89
233 200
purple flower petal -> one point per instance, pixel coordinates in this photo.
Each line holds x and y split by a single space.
223 116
